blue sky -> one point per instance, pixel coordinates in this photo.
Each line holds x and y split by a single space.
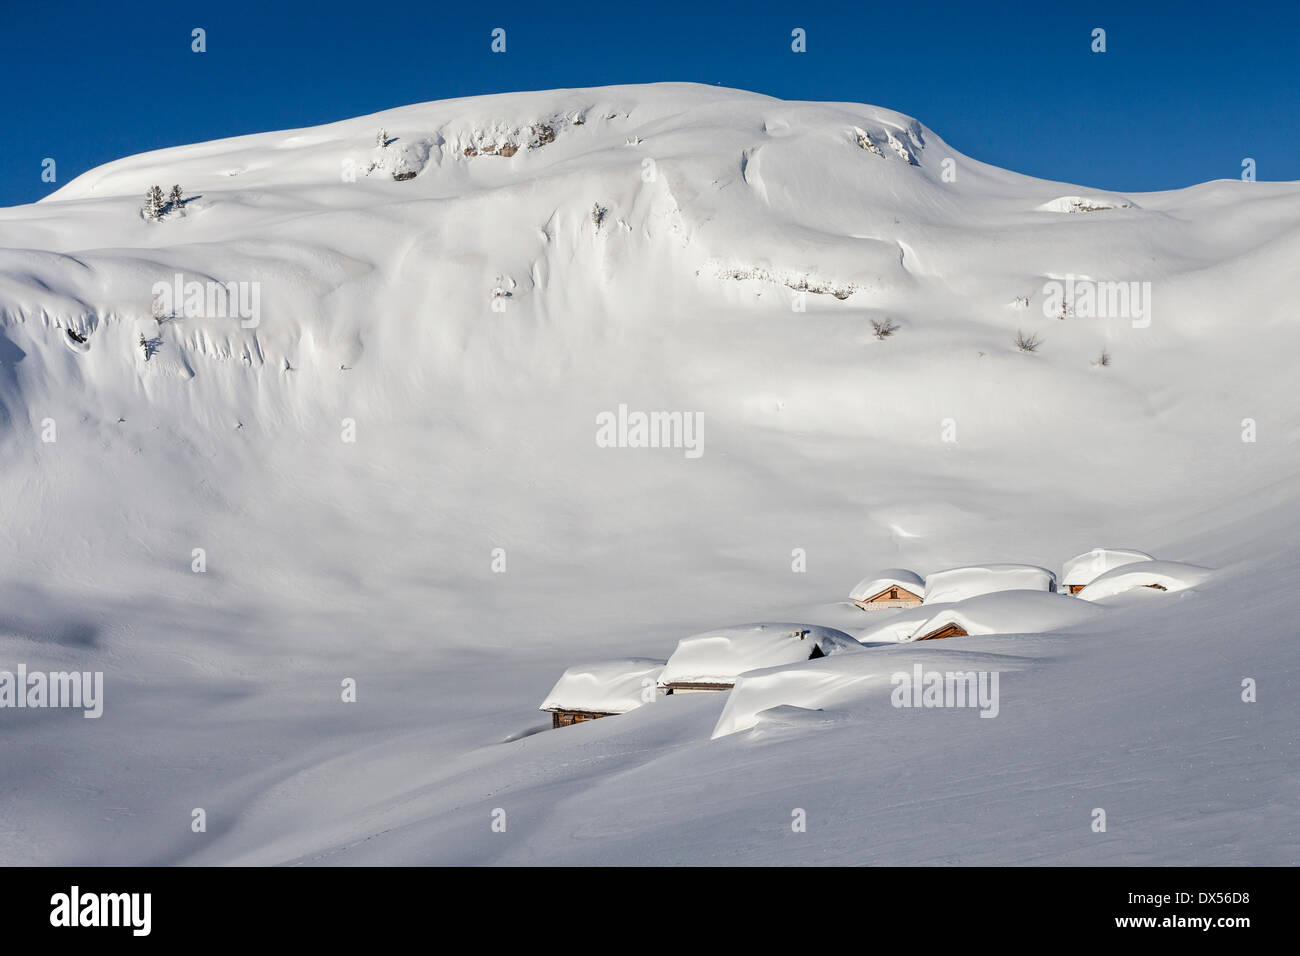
1184 91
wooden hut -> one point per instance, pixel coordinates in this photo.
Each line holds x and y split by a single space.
888 589
605 689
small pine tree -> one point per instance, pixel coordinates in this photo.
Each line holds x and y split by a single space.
153 203
177 198
381 139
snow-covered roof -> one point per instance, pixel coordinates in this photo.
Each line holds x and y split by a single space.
718 656
896 627
888 578
606 687
1170 575
1087 567
1008 612
958 584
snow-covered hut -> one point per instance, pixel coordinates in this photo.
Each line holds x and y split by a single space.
945 629
589 691
1156 575
714 659
1003 612
1082 569
891 588
958 584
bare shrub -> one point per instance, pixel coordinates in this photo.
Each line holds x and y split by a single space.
1028 343
884 327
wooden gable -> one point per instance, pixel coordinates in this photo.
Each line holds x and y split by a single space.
895 592
951 629
893 596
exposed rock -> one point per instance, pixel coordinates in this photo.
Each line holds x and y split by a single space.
865 142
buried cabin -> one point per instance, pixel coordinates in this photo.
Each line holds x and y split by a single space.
1082 569
948 629
605 689
1015 611
712 661
1144 576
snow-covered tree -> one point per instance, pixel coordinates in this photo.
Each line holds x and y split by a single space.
177 198
381 139
153 203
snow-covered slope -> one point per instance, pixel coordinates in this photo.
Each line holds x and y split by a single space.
387 468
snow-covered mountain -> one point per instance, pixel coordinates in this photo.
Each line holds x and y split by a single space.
361 411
